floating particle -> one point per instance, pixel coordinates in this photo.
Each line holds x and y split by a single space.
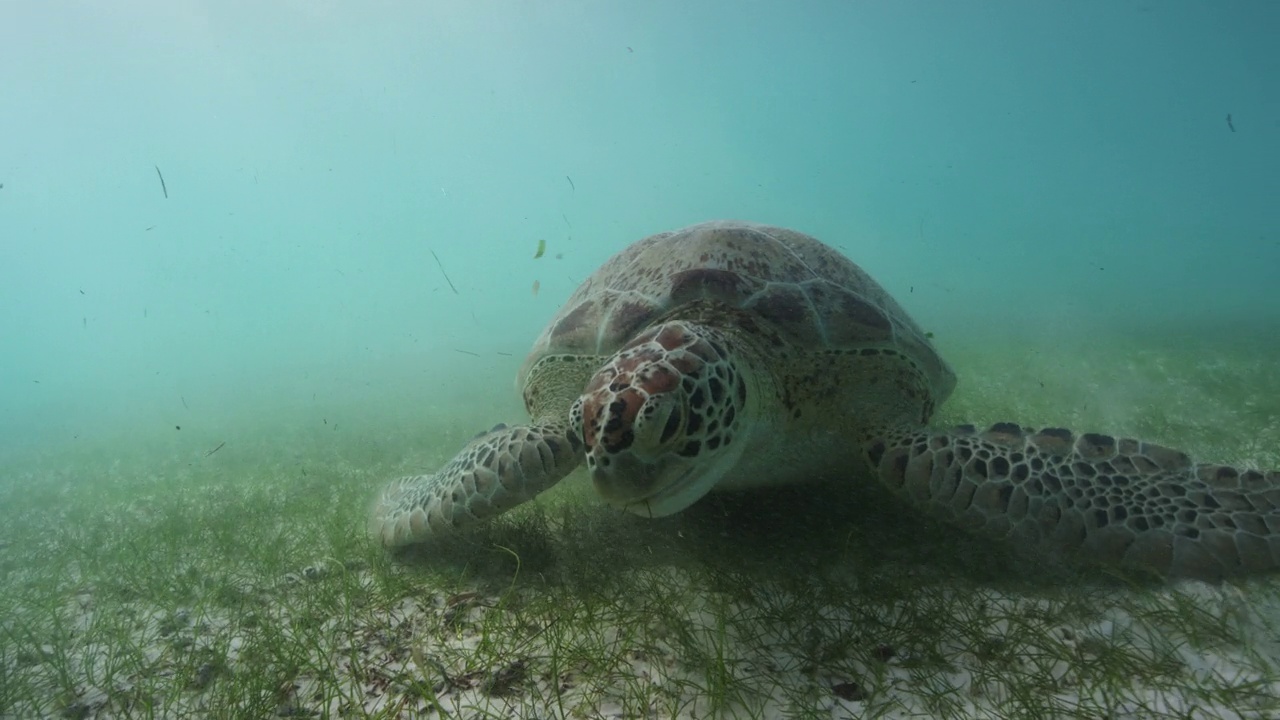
542 248
536 287
442 272
164 188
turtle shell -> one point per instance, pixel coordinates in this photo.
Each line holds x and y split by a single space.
769 280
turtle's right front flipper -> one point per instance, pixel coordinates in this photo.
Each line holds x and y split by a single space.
1114 500
495 472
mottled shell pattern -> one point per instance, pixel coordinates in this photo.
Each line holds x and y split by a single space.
787 285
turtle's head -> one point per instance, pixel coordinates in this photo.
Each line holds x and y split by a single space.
662 419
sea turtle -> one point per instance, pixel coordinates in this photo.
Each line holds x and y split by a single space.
730 354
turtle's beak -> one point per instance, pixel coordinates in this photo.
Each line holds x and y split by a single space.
648 489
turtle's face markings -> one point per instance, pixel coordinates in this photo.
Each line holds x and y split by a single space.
660 419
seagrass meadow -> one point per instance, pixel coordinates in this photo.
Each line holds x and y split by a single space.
142 576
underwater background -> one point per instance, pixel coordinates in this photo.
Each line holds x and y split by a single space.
1013 172
256 258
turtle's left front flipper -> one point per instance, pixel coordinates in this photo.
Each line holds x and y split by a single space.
1114 500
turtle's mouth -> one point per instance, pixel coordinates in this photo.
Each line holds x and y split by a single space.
649 489
654 489
675 496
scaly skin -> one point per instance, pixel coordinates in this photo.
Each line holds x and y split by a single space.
1115 501
496 471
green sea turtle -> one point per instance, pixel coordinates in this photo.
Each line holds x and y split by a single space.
730 355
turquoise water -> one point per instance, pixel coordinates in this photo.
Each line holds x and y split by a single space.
1015 168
